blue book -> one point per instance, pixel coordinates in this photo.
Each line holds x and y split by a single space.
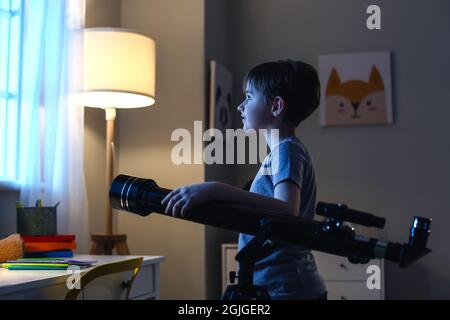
50 254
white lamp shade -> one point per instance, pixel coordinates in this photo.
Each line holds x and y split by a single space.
119 69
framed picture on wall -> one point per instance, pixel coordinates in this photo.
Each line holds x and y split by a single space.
356 89
221 97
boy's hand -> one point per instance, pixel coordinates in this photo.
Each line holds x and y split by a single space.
180 200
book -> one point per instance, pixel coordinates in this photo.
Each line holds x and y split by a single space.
46 264
49 246
36 268
16 264
53 261
50 254
38 260
54 238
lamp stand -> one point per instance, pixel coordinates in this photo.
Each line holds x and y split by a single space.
105 243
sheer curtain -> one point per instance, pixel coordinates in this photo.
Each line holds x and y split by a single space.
51 122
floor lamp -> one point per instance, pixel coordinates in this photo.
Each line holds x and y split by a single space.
119 72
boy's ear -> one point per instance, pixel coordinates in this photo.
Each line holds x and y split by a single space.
277 106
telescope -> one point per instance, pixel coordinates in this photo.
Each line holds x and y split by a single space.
143 197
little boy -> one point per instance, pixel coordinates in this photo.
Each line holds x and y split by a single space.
278 97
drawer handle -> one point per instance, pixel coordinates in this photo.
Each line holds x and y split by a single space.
125 284
343 266
343 298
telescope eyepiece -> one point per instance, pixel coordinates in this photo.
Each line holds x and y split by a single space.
419 232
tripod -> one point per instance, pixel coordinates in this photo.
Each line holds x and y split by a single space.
258 248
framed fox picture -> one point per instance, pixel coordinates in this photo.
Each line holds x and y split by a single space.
356 89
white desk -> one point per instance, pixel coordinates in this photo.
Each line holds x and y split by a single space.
52 284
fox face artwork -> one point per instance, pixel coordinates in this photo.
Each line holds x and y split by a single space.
355 101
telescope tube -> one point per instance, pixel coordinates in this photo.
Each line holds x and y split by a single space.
143 197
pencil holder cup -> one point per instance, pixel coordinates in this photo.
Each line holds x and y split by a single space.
36 221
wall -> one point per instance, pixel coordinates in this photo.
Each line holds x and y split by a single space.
396 171
144 139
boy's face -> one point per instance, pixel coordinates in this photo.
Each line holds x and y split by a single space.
254 110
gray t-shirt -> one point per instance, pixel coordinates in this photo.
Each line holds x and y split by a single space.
289 271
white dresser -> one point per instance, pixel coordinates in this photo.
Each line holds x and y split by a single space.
344 280
348 281
52 284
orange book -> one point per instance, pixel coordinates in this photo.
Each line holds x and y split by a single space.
49 246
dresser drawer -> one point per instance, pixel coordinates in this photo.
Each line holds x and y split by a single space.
333 267
144 283
111 287
352 290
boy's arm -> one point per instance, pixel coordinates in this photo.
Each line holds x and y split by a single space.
286 197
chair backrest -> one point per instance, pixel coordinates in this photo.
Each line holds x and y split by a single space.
133 265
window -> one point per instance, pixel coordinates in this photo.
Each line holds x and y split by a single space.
10 61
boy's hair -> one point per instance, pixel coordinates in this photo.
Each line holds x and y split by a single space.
295 81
